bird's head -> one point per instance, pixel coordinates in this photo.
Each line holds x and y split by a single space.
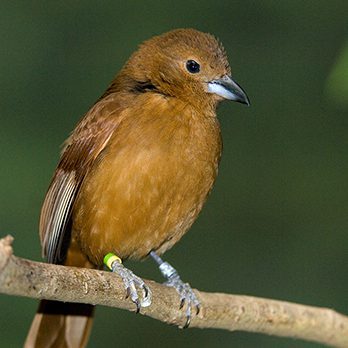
186 64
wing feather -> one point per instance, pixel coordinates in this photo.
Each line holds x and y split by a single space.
82 148
57 207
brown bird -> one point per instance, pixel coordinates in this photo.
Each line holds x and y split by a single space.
135 173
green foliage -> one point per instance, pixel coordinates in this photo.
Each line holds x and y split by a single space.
338 80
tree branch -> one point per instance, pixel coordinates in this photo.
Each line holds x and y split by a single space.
38 280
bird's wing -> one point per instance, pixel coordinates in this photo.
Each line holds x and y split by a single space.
82 148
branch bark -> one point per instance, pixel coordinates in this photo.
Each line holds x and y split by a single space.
20 277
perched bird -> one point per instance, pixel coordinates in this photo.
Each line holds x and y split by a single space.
135 173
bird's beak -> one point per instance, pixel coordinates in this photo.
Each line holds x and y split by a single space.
226 88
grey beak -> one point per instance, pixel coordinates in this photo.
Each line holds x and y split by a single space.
229 89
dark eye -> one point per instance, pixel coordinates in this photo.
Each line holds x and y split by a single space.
192 66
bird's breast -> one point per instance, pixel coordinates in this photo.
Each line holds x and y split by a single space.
149 184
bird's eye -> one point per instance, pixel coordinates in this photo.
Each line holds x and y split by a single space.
192 66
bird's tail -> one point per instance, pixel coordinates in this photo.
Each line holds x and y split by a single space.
60 325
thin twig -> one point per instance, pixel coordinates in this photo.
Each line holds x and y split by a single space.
20 277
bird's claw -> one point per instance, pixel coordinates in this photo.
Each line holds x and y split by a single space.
187 297
131 282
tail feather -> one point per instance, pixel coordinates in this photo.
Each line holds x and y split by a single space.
60 325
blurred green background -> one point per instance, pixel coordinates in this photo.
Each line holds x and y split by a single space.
276 223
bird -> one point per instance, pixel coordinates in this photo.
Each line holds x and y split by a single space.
135 173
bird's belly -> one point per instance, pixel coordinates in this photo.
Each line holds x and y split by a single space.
133 203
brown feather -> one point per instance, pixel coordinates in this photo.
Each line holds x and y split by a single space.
152 181
81 149
60 325
136 171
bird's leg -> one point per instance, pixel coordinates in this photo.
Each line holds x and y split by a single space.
130 281
184 289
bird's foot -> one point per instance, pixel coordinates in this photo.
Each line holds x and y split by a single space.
187 297
130 281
